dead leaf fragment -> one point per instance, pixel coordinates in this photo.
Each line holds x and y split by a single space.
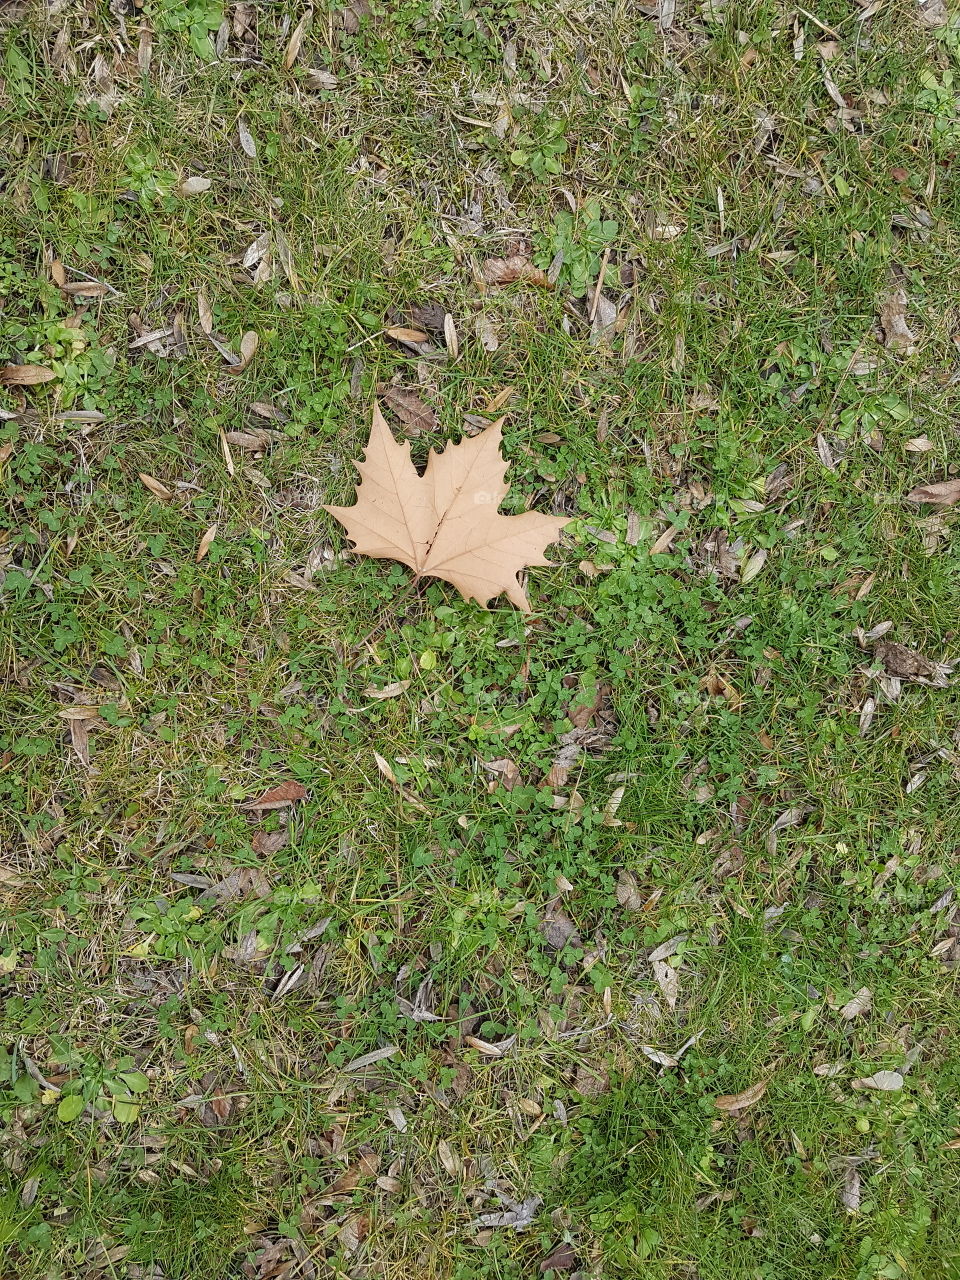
897 335
884 1081
279 797
206 542
268 842
409 407
562 1258
668 980
446 524
734 1103
296 40
25 375
246 138
942 494
194 186
850 1195
156 488
388 691
498 271
248 349
859 1004
402 333
205 313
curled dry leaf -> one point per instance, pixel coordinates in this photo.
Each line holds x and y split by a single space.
734 1103
279 797
487 333
445 524
942 494
850 1195
205 313
508 270
668 980
85 289
859 1004
296 40
885 1081
156 488
388 691
25 375
411 337
248 349
897 335
206 542
268 842
194 186
409 407
246 138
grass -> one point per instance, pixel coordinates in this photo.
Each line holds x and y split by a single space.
188 984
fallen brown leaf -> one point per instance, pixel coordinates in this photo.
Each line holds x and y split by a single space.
942 494
194 186
506 773
206 542
884 1081
908 664
205 313
25 375
412 337
859 1004
897 335
296 40
85 289
446 524
267 842
562 1258
278 797
509 270
388 691
248 349
734 1103
156 488
409 407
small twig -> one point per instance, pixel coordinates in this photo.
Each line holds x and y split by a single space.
599 285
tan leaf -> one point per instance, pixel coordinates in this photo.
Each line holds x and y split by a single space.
919 444
156 488
897 335
248 349
57 273
25 375
487 333
850 1195
267 842
942 494
385 769
733 1103
247 440
446 524
246 138
194 186
506 773
401 333
278 797
263 409
205 312
508 270
885 1081
388 691
409 408
495 403
449 1161
85 289
206 542
450 336
668 980
860 1003
296 40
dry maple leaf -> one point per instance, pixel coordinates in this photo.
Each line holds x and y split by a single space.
445 523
